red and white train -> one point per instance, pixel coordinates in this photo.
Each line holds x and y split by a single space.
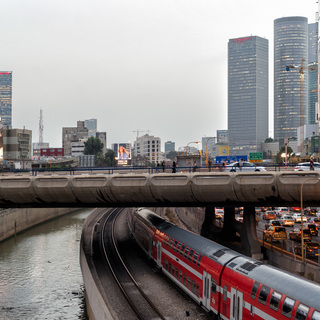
224 282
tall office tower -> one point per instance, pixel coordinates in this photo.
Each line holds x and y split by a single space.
247 94
169 146
313 74
290 48
6 98
91 125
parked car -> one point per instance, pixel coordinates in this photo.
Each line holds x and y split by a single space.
305 166
312 249
272 223
297 217
286 220
295 234
268 215
312 227
246 166
275 234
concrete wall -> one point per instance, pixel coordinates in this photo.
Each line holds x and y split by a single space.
13 221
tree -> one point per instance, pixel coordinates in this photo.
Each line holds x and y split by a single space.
171 155
93 146
109 158
268 140
282 150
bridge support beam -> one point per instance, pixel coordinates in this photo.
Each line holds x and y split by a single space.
250 245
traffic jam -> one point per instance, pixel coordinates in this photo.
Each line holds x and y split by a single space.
281 227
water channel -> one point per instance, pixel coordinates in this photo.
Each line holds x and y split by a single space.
40 275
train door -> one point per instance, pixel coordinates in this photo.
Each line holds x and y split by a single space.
206 290
159 254
236 304
150 246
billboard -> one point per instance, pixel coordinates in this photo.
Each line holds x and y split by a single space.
223 150
122 152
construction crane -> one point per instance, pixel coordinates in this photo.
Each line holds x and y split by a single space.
138 131
302 113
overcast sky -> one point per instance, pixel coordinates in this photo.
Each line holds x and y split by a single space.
133 65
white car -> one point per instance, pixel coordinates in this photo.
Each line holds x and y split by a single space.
305 166
246 167
287 220
297 217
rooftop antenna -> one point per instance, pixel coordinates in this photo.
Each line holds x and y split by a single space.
41 126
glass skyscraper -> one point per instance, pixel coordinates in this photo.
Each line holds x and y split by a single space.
290 49
247 94
6 98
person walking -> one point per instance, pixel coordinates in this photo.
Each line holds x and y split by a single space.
209 164
240 164
174 167
194 166
311 164
163 165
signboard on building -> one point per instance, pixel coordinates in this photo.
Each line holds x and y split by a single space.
255 157
122 152
223 150
230 159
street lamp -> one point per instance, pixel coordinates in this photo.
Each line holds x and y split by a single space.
301 208
188 145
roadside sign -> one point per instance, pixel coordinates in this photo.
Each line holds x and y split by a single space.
255 156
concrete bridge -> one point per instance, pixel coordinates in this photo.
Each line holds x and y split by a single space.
228 190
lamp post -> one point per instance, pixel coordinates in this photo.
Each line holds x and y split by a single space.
188 145
301 208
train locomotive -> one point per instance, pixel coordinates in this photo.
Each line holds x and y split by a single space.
224 282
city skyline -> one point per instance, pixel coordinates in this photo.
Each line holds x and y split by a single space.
149 66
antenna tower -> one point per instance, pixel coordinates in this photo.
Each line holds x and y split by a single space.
41 126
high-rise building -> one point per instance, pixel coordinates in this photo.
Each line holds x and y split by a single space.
91 125
6 98
149 147
247 94
222 136
169 146
290 49
313 72
72 135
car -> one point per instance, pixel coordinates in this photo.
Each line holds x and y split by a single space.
239 219
272 223
297 217
246 167
316 221
286 220
268 215
219 212
281 211
312 227
275 234
295 234
305 166
312 249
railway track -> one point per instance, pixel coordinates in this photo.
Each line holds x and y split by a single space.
139 302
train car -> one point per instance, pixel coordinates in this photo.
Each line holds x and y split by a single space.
226 283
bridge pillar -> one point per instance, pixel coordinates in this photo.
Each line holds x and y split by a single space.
250 245
208 223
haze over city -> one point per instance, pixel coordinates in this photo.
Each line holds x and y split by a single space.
146 65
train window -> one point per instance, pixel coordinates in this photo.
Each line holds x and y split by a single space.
171 242
182 249
316 316
193 287
169 267
166 240
263 294
225 293
177 273
178 247
197 292
175 244
173 270
213 286
186 252
302 312
184 279
287 307
275 300
254 289
199 260
195 257
190 255
180 274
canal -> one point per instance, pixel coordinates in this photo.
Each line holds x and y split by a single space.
40 271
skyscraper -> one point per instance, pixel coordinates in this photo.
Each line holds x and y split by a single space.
6 98
290 49
247 94
313 74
